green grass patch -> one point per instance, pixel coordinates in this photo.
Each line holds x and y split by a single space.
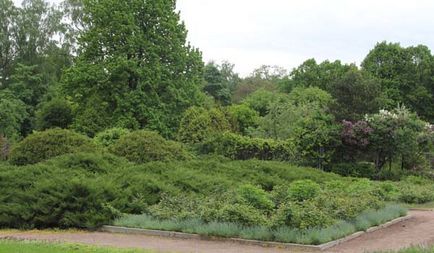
313 236
9 246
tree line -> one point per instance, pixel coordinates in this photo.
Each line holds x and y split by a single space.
93 65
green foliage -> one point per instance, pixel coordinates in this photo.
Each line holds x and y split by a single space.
303 190
398 133
198 124
144 146
242 118
153 78
255 197
305 122
109 137
261 100
405 75
282 234
4 148
354 169
13 112
56 113
220 80
57 201
239 147
41 146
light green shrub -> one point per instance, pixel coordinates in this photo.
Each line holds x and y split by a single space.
303 190
144 146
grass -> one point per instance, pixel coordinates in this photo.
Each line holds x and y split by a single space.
418 249
313 236
9 246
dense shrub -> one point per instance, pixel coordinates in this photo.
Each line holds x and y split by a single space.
145 146
55 113
110 136
255 197
354 169
198 124
303 190
239 147
40 196
242 118
301 216
41 146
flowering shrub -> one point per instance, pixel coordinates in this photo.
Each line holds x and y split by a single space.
388 136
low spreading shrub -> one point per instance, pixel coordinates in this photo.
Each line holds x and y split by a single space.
41 146
58 199
145 146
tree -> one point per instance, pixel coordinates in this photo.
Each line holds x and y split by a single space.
312 74
135 59
405 74
12 114
357 93
262 99
242 118
306 122
215 85
56 113
7 52
268 78
387 137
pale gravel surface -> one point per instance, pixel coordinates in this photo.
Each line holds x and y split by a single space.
419 230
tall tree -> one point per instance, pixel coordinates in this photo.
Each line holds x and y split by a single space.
220 81
7 47
136 61
406 75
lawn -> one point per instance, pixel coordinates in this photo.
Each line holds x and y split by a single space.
9 246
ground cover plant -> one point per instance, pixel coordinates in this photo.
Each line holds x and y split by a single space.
8 246
87 190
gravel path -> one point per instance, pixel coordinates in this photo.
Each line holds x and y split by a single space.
419 230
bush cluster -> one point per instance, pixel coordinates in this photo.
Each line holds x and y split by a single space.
41 146
144 146
239 147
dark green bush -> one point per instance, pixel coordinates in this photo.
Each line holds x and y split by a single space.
55 113
43 197
145 146
41 146
110 136
239 147
354 169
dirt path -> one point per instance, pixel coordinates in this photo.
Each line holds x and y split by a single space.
415 231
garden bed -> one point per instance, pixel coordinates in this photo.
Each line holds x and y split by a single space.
292 246
260 235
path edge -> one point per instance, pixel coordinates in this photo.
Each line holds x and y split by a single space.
291 246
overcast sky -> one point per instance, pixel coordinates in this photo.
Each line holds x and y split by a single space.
250 33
